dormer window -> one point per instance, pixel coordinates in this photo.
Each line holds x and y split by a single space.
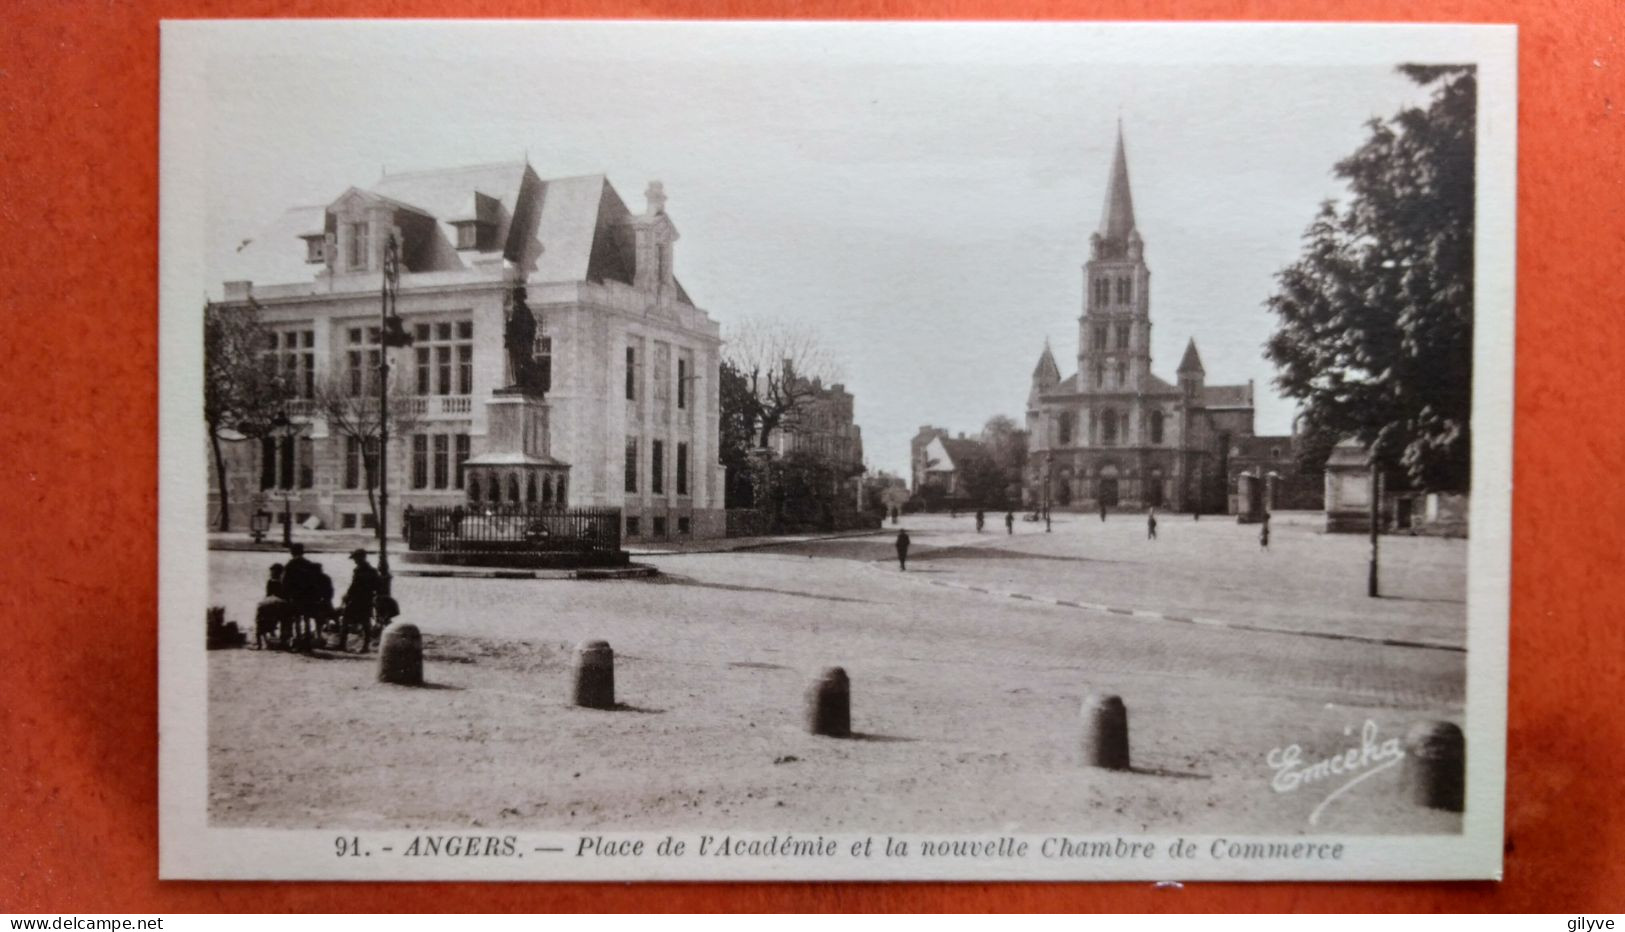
474 234
315 247
359 255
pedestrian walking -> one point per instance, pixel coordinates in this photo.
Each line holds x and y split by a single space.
1264 533
1046 520
981 520
1151 524
902 550
358 601
1103 509
1010 522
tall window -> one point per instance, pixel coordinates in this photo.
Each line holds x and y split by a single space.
1065 429
544 361
294 353
288 463
359 463
631 464
1122 375
1125 290
1100 336
1100 375
1103 290
631 373
662 375
444 354
460 451
360 255
682 380
420 461
442 460
307 463
1108 428
1122 336
1156 427
682 468
657 467
361 360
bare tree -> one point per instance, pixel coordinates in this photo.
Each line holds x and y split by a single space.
776 363
349 405
243 387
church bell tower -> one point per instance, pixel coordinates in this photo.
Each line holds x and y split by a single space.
1114 339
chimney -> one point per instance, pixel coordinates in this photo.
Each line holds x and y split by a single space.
656 196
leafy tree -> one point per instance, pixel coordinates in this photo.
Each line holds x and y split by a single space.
981 479
735 438
1375 328
1006 442
243 388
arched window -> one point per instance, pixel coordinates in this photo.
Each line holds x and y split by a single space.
493 492
1108 428
547 490
1122 374
530 489
1100 375
1065 429
1156 426
558 493
513 488
473 488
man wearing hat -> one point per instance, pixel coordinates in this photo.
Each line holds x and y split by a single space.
358 601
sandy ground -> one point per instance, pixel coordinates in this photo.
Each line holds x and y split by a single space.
967 703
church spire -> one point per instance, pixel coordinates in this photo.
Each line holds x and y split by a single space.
1117 220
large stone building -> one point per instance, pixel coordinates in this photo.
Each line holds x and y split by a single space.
821 425
624 365
1115 434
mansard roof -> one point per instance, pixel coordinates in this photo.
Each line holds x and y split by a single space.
559 230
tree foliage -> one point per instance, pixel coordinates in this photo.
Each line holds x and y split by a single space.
243 388
1375 319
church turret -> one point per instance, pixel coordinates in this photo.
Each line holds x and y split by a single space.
1191 373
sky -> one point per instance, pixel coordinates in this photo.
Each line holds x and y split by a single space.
919 197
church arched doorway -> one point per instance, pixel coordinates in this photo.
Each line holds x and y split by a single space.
1107 493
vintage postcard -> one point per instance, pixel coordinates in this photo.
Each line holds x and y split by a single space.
866 451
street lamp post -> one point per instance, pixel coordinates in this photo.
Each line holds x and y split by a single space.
390 335
283 430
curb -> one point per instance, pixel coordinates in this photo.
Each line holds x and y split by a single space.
1185 619
635 571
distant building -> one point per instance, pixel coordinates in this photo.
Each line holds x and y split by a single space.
626 364
942 464
1115 435
821 425
919 455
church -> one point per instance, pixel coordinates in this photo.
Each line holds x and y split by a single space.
1114 434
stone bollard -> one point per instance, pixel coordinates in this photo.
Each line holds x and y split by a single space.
594 672
400 655
1436 765
829 704
1105 732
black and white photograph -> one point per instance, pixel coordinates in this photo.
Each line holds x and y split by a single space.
720 451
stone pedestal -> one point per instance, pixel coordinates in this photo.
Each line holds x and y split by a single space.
517 467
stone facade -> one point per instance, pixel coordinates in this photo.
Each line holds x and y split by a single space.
1114 434
628 363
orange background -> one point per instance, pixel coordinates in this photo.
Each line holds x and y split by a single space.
78 428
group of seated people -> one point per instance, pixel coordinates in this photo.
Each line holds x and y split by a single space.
297 612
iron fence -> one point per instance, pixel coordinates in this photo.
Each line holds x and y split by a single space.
513 527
